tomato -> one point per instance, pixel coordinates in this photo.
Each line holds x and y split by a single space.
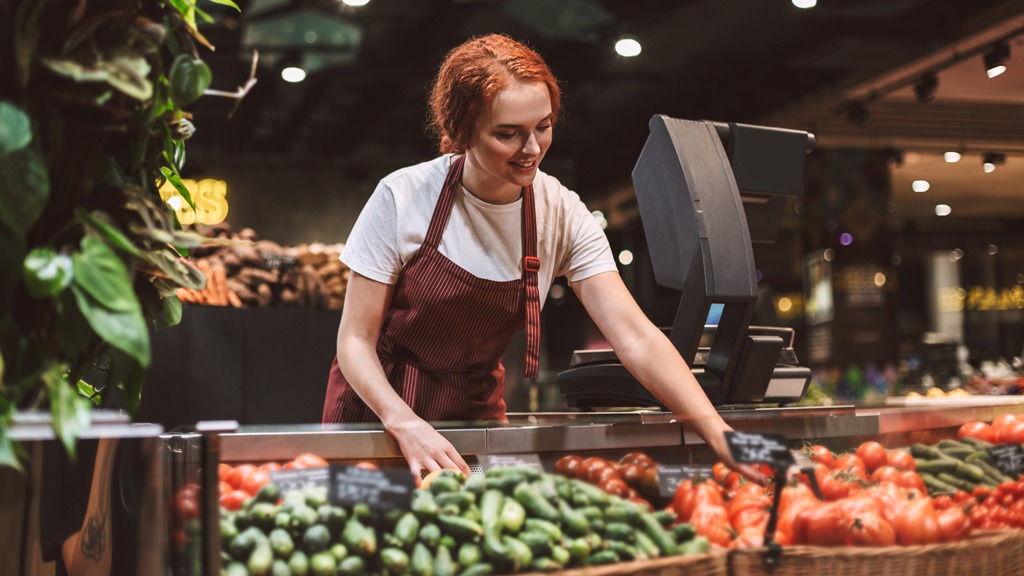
979 430
749 538
847 461
689 495
954 525
639 458
901 459
269 467
794 501
311 460
911 479
820 525
720 471
886 474
236 476
712 522
293 465
821 455
1002 420
649 485
917 524
223 470
223 488
600 474
366 466
583 470
254 481
567 465
233 500
631 474
614 486
186 502
871 529
873 455
943 501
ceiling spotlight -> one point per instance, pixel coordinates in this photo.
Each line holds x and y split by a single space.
989 161
920 186
925 87
858 114
356 3
943 210
628 47
805 4
951 157
293 74
995 59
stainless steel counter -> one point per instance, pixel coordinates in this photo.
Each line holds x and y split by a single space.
576 432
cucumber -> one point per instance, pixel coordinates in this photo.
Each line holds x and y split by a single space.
625 551
394 561
620 531
649 524
949 443
574 522
646 547
490 510
424 506
494 550
472 512
261 559
563 487
534 502
545 565
936 486
549 528
665 517
430 534
561 555
478 570
460 528
280 568
359 539
448 542
339 551
228 531
594 495
262 515
683 532
977 443
591 512
970 472
506 483
518 551
443 484
579 550
461 500
422 561
955 481
620 513
937 466
958 453
352 566
269 493
469 554
475 484
406 530
316 538
602 557
990 470
236 569
919 450
334 517
513 515
697 545
323 564
298 563
443 563
538 542
281 542
546 487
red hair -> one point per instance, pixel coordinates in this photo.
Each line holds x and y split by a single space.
471 76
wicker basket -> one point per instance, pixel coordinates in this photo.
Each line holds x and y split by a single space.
988 553
713 563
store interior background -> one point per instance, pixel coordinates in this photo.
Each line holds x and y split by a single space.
912 292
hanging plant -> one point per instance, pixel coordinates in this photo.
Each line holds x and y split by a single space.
92 122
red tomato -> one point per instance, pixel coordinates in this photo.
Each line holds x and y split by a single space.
223 488
639 458
873 455
1012 433
979 430
820 525
366 466
886 474
901 459
821 455
614 486
1002 420
712 522
588 464
223 470
871 529
917 524
631 474
293 465
254 481
598 475
910 479
236 476
233 500
269 467
689 495
566 465
954 525
847 461
186 502
311 460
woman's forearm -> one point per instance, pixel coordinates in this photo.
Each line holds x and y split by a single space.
357 358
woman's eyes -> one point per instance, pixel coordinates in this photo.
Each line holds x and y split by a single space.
511 135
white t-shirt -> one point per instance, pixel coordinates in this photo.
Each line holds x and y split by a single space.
485 239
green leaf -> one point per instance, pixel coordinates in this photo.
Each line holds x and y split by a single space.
189 78
177 269
8 453
100 272
227 3
102 223
75 70
175 181
46 273
24 188
128 73
89 393
69 410
172 315
125 330
15 129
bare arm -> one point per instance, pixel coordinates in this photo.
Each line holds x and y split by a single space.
654 361
366 305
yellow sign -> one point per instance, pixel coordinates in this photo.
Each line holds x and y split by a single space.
209 196
982 298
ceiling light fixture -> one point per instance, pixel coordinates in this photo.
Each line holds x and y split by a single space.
943 210
926 86
293 74
628 47
920 186
805 4
951 156
356 3
995 59
989 161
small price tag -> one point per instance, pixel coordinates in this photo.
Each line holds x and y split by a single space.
382 490
757 448
1009 458
671 476
288 480
488 461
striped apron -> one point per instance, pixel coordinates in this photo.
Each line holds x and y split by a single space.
444 335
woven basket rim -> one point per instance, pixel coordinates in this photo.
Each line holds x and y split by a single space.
713 556
972 542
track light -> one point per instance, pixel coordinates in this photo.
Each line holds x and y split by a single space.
952 156
858 114
925 87
989 161
995 59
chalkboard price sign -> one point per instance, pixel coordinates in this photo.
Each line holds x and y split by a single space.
1009 458
757 448
297 479
671 476
488 461
382 490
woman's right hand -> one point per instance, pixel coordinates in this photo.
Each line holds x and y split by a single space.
425 449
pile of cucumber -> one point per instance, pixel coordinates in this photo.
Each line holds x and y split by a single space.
507 520
952 465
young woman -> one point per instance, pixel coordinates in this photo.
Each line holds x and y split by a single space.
451 257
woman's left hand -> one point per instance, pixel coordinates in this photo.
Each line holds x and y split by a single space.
716 441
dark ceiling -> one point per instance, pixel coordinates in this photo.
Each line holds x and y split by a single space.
732 60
